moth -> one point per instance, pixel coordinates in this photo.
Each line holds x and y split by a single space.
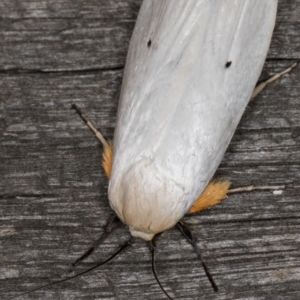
191 69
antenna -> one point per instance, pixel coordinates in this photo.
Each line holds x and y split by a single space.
112 224
152 245
79 274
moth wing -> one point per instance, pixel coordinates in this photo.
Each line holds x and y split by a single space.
190 71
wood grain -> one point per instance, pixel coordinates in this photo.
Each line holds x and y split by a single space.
54 194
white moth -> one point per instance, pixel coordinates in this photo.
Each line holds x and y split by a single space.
191 69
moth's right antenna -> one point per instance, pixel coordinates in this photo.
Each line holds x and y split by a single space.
152 244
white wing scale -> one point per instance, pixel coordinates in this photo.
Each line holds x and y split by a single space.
180 104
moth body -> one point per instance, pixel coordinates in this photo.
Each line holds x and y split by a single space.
181 102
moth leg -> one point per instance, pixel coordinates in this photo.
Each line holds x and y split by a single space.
262 85
251 188
113 223
107 145
97 133
189 237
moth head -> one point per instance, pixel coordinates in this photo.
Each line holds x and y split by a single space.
136 197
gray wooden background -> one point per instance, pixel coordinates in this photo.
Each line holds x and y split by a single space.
54 194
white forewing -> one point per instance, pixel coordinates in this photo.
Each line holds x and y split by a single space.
180 104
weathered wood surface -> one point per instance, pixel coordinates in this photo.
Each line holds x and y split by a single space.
54 194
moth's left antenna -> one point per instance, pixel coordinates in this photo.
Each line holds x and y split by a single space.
110 226
123 247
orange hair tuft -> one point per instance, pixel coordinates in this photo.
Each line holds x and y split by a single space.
215 191
107 158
